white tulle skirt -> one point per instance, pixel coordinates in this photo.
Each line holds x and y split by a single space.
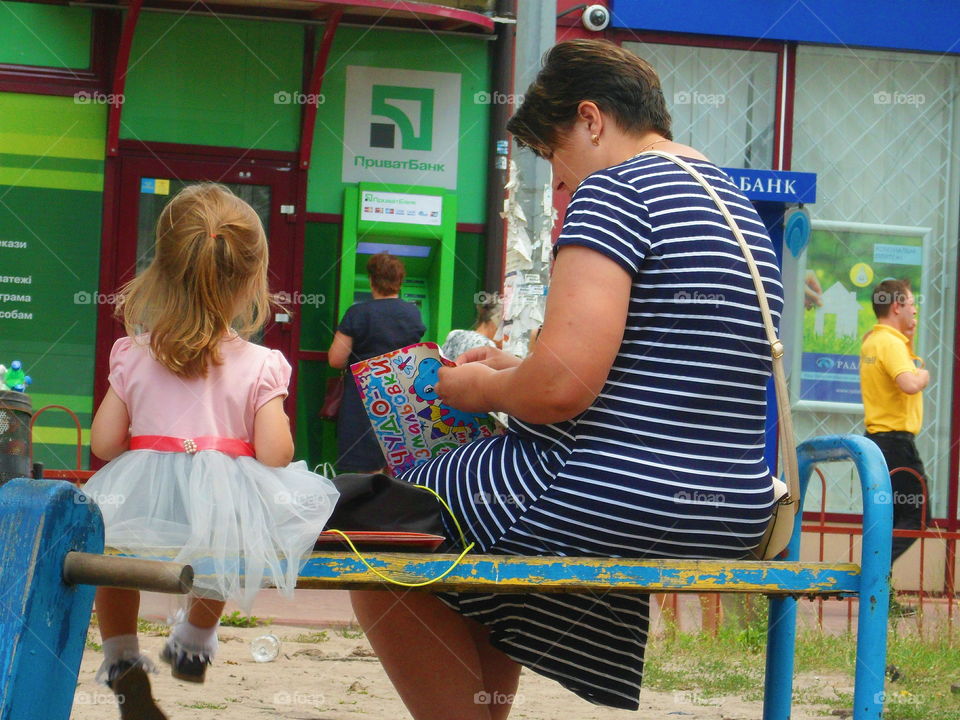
241 524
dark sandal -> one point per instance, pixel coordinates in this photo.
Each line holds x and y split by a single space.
183 666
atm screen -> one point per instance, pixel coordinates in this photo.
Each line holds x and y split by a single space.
413 290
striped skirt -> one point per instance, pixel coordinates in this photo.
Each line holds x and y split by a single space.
525 495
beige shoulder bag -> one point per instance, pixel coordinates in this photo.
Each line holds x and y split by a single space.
780 530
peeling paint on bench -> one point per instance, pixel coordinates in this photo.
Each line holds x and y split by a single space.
506 573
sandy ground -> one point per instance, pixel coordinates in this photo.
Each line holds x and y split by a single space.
338 678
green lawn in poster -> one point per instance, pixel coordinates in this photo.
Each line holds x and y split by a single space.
845 262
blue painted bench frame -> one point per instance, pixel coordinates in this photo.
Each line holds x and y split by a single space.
873 591
43 621
782 580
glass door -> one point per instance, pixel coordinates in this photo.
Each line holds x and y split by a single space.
147 183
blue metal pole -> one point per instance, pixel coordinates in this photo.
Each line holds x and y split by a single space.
868 695
874 590
782 624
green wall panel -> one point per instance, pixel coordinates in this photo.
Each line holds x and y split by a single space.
411 51
49 254
51 182
51 142
214 81
45 35
316 439
321 266
468 278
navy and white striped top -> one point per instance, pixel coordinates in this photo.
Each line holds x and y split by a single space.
669 459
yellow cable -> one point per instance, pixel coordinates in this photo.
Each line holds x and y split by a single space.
453 565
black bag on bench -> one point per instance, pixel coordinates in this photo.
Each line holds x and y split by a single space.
375 502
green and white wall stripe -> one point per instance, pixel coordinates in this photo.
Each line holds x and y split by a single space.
51 200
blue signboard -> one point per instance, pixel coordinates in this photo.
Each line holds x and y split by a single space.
828 377
929 26
775 185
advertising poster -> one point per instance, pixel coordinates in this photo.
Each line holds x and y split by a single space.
844 263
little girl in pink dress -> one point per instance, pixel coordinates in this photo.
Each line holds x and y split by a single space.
198 442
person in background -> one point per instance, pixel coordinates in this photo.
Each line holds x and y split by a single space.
483 334
892 380
369 329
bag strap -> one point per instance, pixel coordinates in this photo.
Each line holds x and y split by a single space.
467 547
788 449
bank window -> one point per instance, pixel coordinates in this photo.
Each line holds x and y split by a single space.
877 127
723 101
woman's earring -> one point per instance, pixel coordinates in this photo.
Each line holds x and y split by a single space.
595 139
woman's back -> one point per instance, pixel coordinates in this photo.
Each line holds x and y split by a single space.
381 325
674 442
686 396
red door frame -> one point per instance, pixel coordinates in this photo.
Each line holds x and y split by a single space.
230 165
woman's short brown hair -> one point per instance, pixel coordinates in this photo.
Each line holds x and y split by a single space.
386 273
622 85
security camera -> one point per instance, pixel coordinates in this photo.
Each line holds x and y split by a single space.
596 18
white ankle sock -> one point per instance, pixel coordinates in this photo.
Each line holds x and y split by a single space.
193 640
120 647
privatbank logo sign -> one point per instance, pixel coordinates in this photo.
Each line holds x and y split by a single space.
401 126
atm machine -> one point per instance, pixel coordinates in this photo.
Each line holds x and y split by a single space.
418 225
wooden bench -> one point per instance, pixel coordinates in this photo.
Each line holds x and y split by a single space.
783 581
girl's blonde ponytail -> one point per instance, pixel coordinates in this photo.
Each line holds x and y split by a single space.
209 274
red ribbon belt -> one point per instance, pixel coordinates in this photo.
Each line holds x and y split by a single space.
234 447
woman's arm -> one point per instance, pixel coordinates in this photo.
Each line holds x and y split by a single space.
110 432
339 353
272 441
489 356
583 327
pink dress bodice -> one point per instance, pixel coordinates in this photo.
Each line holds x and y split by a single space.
222 404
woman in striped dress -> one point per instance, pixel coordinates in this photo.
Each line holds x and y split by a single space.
637 422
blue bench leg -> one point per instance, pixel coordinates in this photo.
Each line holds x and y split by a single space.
781 638
868 693
868 697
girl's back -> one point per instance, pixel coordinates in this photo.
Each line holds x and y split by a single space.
198 444
222 404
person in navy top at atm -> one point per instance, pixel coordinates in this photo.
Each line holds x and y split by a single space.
369 329
636 422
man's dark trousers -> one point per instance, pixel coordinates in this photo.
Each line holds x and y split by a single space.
909 509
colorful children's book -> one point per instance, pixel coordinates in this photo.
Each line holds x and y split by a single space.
410 422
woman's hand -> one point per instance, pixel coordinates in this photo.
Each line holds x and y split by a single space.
489 356
466 387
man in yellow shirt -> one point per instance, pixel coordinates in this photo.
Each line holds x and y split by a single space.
892 379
